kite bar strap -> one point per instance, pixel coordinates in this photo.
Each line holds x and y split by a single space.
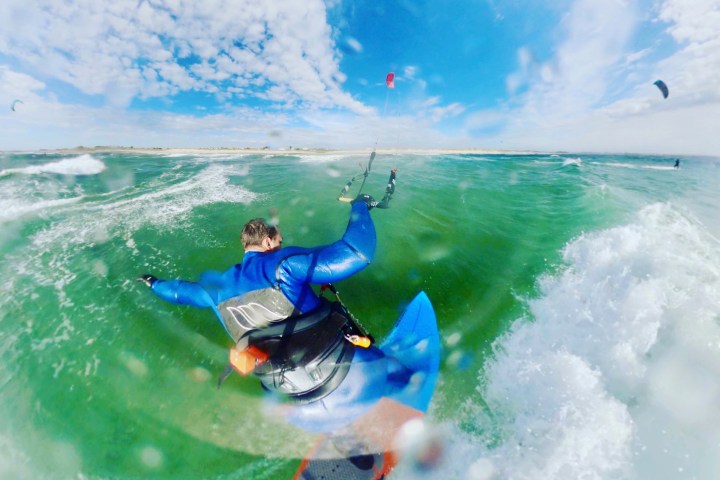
360 337
342 197
389 190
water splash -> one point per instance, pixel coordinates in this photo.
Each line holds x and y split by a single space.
82 165
617 373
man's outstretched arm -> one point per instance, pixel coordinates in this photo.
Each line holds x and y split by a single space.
178 292
339 260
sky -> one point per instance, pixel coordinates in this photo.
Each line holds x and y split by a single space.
541 75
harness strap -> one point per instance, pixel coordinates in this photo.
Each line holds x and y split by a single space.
287 327
303 358
308 365
245 356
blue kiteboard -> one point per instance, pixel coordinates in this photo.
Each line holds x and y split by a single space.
386 387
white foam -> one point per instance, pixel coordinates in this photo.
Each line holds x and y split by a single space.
82 225
635 166
12 208
164 205
218 156
572 161
25 196
82 165
31 196
617 374
331 158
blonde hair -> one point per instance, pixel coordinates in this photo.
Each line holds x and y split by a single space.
255 231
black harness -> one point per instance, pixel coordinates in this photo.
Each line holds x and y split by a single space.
309 355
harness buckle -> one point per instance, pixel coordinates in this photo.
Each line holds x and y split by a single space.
245 361
358 340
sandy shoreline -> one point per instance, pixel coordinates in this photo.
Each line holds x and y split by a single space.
294 151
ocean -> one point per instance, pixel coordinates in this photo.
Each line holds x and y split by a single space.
577 296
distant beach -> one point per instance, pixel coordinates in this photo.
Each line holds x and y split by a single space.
286 151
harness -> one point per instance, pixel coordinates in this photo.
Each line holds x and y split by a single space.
303 358
310 358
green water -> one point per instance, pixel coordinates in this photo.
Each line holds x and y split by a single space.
100 379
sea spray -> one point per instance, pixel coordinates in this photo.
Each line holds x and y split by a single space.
81 165
616 371
607 367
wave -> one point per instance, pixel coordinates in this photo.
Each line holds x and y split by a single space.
82 165
572 161
615 372
11 209
164 205
635 166
329 158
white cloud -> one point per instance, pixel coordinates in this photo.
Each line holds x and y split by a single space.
692 73
353 45
17 85
65 125
595 92
635 56
68 126
430 102
565 105
125 48
449 111
693 21
576 80
483 119
410 72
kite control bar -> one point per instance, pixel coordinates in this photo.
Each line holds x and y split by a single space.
389 190
364 175
384 203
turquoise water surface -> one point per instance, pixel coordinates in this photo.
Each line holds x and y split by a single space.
578 300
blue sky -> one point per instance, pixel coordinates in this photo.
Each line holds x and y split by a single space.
561 75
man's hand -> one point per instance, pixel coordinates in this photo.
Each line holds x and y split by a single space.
147 279
366 199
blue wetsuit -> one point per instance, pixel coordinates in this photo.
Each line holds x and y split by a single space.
268 291
269 287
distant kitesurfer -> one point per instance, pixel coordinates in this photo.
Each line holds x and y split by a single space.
677 163
297 343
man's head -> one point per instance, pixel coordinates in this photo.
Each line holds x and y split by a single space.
258 235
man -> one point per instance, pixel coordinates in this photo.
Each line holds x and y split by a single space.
298 344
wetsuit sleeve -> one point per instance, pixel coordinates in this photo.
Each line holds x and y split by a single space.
337 261
181 292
